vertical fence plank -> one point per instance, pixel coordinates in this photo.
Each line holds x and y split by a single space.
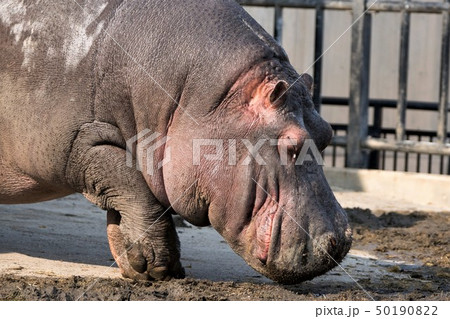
359 86
374 156
406 158
419 138
403 74
318 51
448 166
430 157
444 86
278 24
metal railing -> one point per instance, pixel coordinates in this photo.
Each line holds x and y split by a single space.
367 146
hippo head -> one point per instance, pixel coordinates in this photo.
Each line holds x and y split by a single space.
251 168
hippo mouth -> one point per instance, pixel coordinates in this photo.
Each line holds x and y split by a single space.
265 230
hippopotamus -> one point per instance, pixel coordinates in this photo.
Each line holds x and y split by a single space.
88 86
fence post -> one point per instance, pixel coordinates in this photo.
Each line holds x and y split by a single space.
359 86
444 85
278 24
403 74
318 51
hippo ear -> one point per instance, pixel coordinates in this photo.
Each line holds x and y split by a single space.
308 81
277 96
269 94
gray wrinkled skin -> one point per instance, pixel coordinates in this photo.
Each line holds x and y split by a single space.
75 85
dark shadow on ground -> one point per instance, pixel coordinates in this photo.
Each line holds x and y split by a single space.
366 218
68 229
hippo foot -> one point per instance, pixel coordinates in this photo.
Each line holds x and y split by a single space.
143 259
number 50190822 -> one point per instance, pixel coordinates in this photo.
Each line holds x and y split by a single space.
406 310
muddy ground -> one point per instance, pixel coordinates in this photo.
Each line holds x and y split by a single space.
405 257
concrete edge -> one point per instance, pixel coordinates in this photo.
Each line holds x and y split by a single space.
423 189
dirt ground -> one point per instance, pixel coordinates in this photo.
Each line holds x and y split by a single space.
407 258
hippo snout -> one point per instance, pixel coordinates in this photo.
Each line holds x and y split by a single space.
299 253
297 229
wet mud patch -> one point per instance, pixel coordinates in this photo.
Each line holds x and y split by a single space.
416 237
405 257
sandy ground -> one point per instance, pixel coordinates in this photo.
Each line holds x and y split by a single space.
58 250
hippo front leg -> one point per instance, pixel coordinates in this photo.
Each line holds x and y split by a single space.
141 233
